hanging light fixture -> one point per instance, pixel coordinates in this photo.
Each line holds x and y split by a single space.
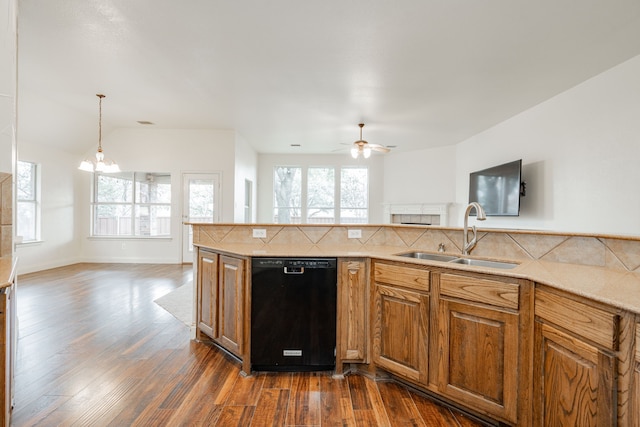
363 147
100 163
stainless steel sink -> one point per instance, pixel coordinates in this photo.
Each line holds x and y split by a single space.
456 260
484 263
428 256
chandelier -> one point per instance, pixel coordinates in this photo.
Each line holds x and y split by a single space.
100 163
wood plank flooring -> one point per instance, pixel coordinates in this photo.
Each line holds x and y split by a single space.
95 350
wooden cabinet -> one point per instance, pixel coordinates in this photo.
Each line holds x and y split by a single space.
7 350
635 395
220 306
479 349
401 320
575 367
352 306
498 346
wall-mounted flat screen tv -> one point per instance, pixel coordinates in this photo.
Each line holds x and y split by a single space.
498 189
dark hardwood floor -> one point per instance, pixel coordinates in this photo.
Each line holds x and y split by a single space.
95 350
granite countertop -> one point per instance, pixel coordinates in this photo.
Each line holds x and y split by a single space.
620 289
7 271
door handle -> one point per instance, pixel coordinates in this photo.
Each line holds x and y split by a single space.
294 270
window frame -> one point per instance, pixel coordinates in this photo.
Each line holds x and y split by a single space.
36 201
134 205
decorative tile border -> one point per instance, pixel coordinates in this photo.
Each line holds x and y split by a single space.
619 253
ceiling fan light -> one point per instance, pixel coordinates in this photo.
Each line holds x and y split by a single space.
366 151
354 152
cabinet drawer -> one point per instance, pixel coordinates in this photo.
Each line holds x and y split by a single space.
486 291
402 276
587 321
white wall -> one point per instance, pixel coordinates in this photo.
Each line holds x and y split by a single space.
266 163
246 168
156 150
59 243
421 176
7 82
580 152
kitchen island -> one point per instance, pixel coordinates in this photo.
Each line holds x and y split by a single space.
496 342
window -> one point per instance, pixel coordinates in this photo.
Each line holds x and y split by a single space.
287 186
28 201
325 194
133 204
321 195
354 195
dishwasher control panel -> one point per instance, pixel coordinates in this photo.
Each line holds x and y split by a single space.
294 263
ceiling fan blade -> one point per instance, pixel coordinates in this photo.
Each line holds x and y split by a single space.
380 148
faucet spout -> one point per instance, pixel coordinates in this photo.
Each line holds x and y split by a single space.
468 245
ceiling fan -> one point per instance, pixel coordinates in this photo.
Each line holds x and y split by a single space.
363 147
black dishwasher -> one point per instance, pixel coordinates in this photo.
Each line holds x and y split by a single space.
293 314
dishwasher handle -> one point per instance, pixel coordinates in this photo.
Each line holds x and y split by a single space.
293 270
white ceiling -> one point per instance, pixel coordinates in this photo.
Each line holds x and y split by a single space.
419 73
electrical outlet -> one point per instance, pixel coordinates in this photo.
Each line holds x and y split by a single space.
354 234
259 233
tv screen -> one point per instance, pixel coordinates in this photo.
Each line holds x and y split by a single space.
497 189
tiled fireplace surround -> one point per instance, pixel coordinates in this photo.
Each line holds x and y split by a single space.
614 252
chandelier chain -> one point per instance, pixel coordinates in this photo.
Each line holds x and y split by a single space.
100 96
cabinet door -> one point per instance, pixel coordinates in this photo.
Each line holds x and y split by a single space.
208 293
635 405
573 381
230 306
400 332
478 357
352 315
635 396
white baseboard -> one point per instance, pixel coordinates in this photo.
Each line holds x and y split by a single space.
32 268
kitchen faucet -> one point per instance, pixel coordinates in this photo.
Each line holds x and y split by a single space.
467 245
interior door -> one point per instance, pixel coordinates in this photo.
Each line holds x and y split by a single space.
201 203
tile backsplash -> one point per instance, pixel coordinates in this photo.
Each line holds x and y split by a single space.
621 253
6 214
